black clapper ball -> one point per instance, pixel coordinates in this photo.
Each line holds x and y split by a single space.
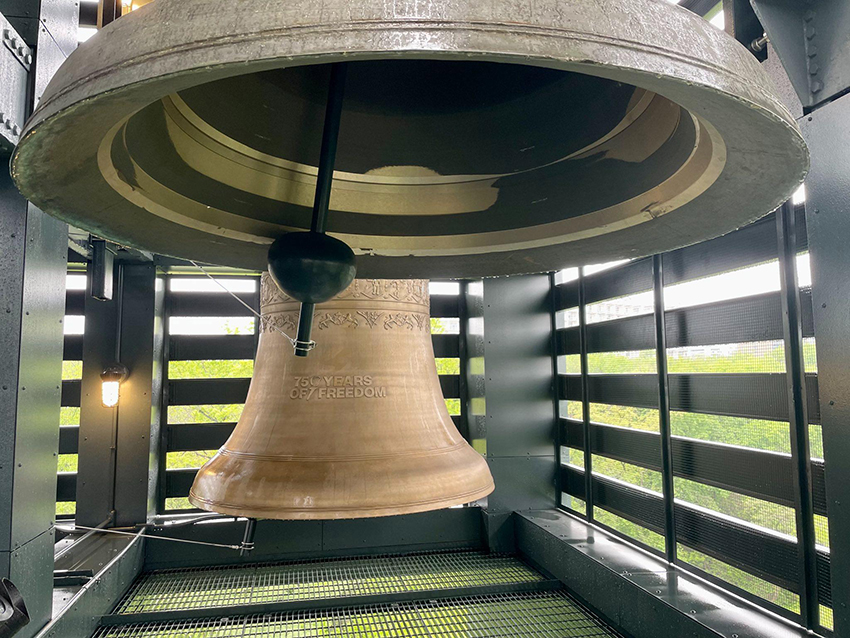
311 267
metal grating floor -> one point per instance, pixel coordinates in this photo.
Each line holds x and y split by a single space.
320 580
526 615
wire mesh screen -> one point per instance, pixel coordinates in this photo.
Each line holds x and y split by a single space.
614 295
734 510
320 580
705 354
503 615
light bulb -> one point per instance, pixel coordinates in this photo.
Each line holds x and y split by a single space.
110 393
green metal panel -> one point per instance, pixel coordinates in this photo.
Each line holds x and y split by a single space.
141 341
289 540
96 473
641 594
827 131
81 615
519 379
33 253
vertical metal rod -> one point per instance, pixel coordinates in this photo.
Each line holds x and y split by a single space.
116 357
162 495
585 398
463 354
786 234
247 545
556 386
330 137
303 341
664 407
324 181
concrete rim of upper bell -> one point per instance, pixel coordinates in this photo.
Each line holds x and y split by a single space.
754 158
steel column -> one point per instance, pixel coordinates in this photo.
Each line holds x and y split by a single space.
664 407
139 411
33 263
798 413
472 335
585 400
119 447
556 394
33 253
164 400
827 132
98 424
519 377
463 356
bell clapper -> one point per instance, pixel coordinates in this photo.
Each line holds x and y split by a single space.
311 266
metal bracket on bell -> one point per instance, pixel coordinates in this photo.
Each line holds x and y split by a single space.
247 545
303 347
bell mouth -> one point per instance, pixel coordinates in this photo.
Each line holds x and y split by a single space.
436 157
478 138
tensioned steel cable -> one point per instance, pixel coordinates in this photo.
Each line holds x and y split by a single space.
263 318
98 530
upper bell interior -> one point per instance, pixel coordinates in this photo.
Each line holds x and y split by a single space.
467 148
435 157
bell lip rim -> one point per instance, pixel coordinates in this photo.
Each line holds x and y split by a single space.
729 86
347 514
56 91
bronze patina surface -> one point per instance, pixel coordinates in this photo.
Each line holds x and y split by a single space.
357 429
478 137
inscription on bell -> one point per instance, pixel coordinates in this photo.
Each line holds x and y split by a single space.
318 387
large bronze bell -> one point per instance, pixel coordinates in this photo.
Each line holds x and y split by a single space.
358 429
477 138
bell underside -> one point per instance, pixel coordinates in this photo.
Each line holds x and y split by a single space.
357 429
465 149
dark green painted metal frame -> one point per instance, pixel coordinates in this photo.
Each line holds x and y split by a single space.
640 594
459 528
827 131
33 252
793 481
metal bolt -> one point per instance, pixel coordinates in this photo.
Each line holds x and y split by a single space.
759 44
6 34
21 50
813 68
8 123
816 86
28 58
15 130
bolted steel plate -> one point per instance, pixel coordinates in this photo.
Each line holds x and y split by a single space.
478 137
